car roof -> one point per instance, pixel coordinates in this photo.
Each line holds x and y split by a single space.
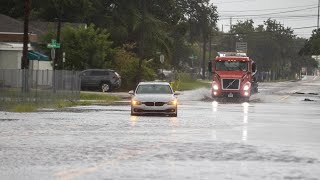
154 82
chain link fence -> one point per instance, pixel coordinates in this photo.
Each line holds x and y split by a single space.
19 85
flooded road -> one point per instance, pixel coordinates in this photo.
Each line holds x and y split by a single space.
274 136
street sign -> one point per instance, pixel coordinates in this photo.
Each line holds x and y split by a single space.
53 44
241 47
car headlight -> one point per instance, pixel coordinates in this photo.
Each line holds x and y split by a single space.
173 102
135 102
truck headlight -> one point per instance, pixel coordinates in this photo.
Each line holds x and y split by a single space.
215 86
135 102
246 87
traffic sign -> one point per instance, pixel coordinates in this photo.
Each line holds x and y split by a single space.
241 47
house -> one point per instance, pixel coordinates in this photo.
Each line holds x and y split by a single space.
11 46
11 43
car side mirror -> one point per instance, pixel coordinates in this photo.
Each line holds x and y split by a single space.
177 93
131 92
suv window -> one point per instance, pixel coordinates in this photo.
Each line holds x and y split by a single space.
99 73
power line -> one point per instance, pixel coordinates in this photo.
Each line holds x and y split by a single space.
307 27
234 1
292 7
273 17
281 12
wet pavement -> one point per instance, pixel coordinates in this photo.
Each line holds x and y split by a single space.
274 136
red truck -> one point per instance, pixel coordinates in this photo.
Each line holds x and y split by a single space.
233 76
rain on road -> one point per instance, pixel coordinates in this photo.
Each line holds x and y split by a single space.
274 136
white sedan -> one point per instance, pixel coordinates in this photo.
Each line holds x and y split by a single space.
154 98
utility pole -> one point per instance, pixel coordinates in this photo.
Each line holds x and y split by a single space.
318 14
141 45
231 23
57 57
210 41
24 62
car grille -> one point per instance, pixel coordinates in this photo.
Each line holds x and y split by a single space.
230 84
154 111
159 103
154 103
149 103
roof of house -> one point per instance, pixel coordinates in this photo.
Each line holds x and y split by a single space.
11 25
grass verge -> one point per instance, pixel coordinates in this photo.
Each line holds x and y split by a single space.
98 97
85 100
190 85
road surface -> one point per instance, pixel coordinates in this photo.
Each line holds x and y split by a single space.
274 136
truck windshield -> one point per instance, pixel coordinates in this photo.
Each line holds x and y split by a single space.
231 66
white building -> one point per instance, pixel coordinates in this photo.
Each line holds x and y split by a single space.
11 55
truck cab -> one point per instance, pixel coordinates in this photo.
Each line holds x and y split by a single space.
232 76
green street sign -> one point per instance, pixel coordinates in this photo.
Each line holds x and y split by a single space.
53 44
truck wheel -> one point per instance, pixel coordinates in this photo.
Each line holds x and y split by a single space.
105 87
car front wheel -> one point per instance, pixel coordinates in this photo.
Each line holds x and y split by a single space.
105 87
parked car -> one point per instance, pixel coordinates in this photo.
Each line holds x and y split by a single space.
101 79
154 98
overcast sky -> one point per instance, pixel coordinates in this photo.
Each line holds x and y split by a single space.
303 13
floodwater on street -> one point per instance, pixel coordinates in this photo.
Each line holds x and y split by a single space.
274 136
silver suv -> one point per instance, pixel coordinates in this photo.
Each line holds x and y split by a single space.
102 79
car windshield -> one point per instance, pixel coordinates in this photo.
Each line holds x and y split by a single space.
231 66
154 89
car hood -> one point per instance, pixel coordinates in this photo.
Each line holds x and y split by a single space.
231 74
154 97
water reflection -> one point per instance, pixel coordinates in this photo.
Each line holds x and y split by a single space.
173 121
133 120
245 121
214 106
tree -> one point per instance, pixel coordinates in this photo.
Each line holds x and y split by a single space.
202 17
126 64
312 45
85 47
273 46
12 8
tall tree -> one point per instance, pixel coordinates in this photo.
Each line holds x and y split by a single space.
86 47
312 45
